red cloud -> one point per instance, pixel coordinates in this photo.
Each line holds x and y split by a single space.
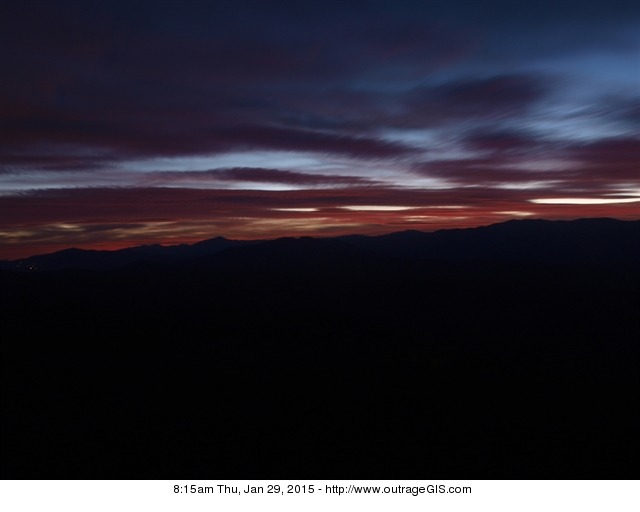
111 218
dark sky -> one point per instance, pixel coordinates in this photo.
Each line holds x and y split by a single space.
133 122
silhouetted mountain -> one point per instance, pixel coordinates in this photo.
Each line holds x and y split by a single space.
580 241
517 241
508 351
103 260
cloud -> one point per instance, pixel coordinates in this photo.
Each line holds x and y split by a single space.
503 142
253 174
618 151
599 167
484 171
114 217
152 141
256 175
496 97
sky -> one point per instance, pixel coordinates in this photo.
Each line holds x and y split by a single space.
137 122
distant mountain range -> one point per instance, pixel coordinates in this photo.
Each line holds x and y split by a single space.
93 259
598 240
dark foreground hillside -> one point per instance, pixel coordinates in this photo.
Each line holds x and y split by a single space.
329 359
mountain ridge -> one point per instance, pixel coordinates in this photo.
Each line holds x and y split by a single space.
597 240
